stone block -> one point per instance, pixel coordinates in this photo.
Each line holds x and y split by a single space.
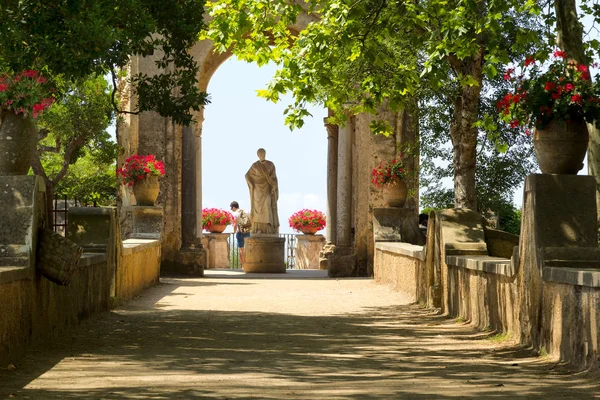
190 262
462 231
218 250
147 222
342 263
264 253
91 227
563 208
500 243
397 225
308 248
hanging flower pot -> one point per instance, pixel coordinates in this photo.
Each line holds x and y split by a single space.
560 147
395 193
18 138
146 190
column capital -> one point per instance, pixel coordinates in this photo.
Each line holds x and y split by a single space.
332 129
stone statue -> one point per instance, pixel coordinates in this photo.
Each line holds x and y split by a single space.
264 193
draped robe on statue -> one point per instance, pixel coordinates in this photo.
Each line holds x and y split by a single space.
264 193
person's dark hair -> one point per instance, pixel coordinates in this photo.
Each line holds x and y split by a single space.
423 219
234 204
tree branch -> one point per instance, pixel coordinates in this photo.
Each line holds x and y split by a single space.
76 143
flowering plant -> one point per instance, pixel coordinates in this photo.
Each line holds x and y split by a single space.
385 173
26 93
138 167
215 216
564 92
307 218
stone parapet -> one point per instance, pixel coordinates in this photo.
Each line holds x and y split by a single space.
308 248
396 225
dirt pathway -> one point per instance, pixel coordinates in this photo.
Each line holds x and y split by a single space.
297 336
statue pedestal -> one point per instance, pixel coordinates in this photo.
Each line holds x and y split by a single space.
218 250
307 251
264 253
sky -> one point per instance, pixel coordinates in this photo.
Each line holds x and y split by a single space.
237 123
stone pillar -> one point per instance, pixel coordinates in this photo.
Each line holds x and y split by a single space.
192 258
308 248
218 250
344 186
332 174
188 189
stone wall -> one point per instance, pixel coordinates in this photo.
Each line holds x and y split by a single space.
37 310
545 292
138 267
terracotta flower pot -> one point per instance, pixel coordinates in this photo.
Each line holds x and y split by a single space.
309 230
18 138
395 193
146 191
560 147
217 228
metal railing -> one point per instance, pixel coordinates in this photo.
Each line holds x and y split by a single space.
60 212
290 251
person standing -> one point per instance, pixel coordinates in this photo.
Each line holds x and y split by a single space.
264 193
241 227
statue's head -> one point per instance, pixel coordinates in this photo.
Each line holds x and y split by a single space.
261 154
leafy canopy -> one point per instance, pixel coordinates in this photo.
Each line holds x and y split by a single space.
77 38
354 56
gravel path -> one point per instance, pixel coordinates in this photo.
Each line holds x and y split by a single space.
293 336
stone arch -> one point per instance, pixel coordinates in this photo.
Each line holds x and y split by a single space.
352 152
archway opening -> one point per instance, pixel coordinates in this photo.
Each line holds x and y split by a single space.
237 123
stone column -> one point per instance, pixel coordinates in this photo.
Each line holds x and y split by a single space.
332 175
188 189
307 251
344 186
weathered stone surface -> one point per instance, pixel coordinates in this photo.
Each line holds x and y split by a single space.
147 221
396 225
264 253
342 263
188 262
90 227
218 249
308 248
500 243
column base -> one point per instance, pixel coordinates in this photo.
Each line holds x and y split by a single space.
264 254
342 263
190 262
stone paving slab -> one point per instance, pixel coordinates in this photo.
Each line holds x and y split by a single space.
297 335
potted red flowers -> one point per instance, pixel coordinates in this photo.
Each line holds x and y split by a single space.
307 221
23 97
554 102
142 172
215 220
389 176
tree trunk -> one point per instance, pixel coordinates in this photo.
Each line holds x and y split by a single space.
407 143
570 39
463 132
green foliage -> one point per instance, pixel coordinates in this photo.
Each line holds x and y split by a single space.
77 38
503 159
90 181
77 155
353 56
